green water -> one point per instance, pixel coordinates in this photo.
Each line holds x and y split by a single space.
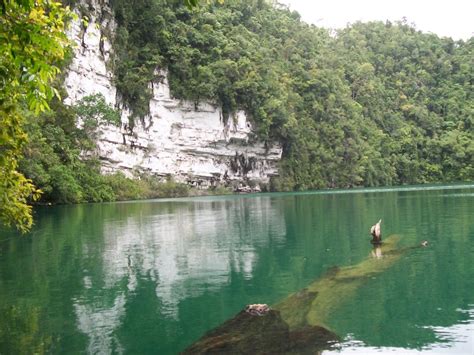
152 277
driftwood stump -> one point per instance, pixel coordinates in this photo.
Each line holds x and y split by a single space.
376 233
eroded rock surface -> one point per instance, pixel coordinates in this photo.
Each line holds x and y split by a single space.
190 142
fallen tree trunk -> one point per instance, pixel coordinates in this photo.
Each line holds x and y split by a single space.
298 323
314 304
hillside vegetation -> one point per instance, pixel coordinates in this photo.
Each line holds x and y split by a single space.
375 104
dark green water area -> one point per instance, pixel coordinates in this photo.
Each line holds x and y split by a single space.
152 277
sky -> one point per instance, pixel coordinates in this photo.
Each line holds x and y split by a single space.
446 18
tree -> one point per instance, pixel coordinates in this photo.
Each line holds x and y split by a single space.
32 45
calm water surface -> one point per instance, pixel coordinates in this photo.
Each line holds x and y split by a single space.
154 276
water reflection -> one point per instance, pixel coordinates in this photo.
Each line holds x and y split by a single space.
99 322
377 252
154 277
185 249
456 339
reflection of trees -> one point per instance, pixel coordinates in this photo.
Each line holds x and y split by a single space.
20 331
33 269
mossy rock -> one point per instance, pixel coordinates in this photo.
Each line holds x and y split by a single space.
265 334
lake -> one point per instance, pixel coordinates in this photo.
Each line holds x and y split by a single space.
153 276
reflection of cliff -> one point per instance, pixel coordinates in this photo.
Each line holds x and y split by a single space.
185 251
99 322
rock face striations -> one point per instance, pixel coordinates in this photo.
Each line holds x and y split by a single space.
190 142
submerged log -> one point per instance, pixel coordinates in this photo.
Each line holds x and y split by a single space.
315 304
299 322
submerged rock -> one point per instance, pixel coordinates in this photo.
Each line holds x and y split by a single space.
312 340
264 334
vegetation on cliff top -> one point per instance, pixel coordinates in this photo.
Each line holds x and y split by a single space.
377 104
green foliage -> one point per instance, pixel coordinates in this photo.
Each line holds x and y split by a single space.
53 159
32 43
417 91
145 186
139 41
59 158
169 188
126 189
375 105
92 113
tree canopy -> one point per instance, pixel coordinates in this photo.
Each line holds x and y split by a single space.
375 104
32 43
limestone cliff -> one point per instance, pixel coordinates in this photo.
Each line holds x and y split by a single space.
191 143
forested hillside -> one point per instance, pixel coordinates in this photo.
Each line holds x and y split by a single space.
375 104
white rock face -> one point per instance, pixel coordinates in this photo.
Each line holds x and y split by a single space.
190 143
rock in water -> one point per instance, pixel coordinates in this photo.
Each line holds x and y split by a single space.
244 334
266 333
